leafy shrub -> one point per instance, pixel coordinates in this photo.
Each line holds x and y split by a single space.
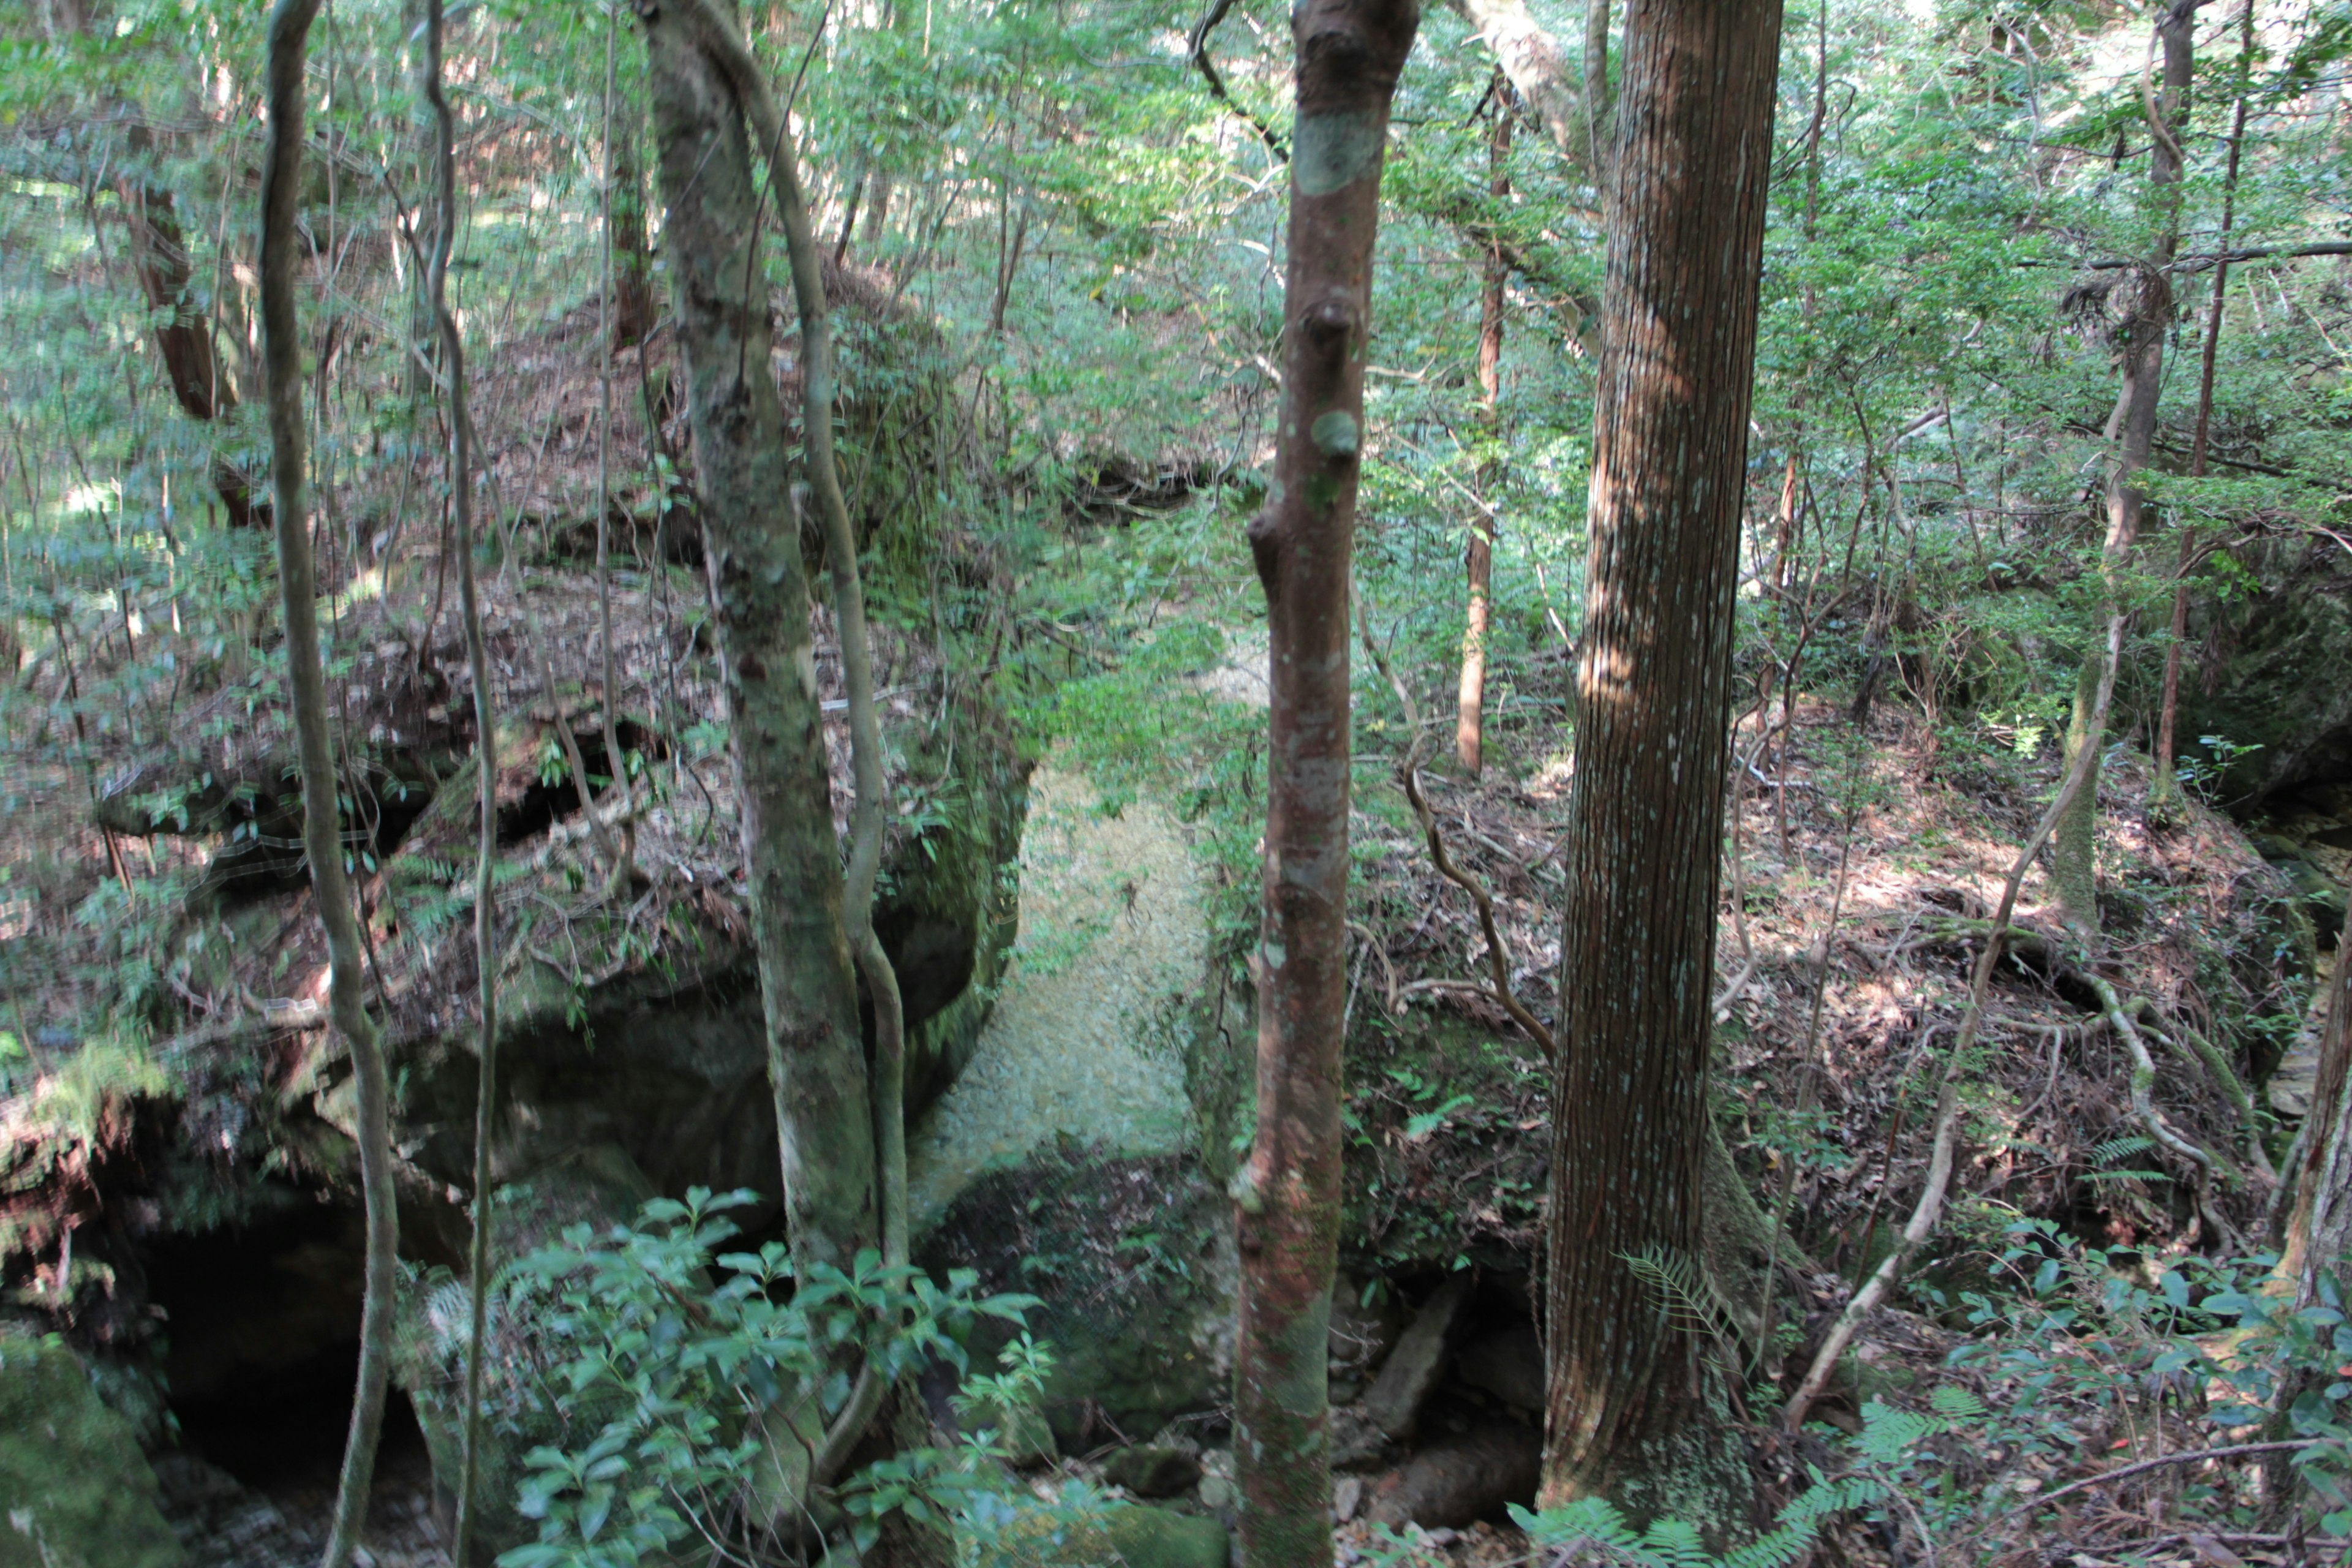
681 1360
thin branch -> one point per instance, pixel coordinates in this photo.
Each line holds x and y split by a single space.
1930 1209
1196 49
1498 962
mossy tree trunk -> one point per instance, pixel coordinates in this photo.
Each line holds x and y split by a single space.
281 184
768 661
1348 55
2145 298
1626 1386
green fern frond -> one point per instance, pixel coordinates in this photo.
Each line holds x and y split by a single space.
1957 1404
1690 1299
2108 1153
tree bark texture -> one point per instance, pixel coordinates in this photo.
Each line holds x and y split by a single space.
2319 1233
2147 317
1470 698
1670 441
1348 54
282 183
633 291
486 773
768 661
1600 116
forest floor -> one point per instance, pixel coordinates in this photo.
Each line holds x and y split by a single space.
1077 1046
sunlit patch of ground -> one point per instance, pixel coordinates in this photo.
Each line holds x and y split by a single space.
1113 933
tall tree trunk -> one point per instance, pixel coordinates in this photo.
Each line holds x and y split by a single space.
486 772
2146 316
281 184
633 291
2160 793
751 545
1670 441
1470 710
1348 54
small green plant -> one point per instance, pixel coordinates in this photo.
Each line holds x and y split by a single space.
1883 1457
680 1360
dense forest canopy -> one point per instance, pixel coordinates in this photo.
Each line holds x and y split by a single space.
1062 783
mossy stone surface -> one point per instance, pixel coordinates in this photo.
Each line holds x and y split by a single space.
74 1490
1123 1536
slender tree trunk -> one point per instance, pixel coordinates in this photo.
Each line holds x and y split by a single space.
485 765
282 183
751 545
200 382
2146 316
2166 748
1348 54
1599 115
1670 441
849 217
633 290
625 865
1470 712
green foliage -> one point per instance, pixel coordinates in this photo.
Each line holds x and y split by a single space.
679 1365
2101 1337
1881 1456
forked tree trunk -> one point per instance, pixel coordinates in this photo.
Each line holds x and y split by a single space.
1348 54
1536 67
2147 316
1670 441
751 545
1470 710
281 184
184 339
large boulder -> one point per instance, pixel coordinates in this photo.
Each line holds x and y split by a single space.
74 1490
1133 1260
636 1021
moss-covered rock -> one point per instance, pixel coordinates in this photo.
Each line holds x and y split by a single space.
1133 1260
2275 645
74 1490
1135 1536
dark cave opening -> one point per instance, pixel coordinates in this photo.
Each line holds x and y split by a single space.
553 797
260 1349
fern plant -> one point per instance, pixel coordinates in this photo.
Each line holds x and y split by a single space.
1882 1453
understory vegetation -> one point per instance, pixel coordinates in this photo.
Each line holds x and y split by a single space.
2025 1163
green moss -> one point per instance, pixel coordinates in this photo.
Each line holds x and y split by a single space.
74 1489
1118 1537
